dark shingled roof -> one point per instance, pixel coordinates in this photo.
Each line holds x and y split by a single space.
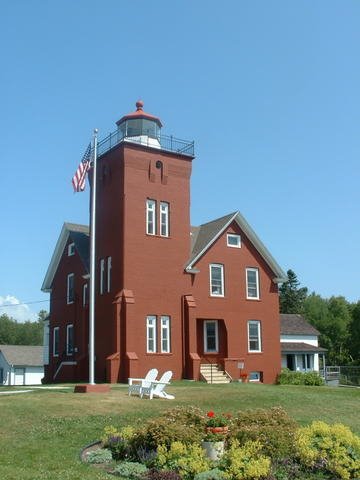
298 347
23 355
201 236
293 324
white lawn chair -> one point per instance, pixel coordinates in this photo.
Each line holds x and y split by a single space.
157 387
136 385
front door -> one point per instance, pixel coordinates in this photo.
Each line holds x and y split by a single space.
211 336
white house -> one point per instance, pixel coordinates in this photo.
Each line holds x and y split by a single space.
300 349
21 365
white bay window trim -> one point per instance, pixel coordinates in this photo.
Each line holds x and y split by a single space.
233 240
70 339
102 275
254 336
252 284
165 334
164 219
56 339
151 334
216 279
108 274
150 217
70 293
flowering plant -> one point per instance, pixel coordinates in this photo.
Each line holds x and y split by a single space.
217 420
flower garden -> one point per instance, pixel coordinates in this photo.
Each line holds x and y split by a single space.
186 443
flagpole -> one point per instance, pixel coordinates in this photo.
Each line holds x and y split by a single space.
92 266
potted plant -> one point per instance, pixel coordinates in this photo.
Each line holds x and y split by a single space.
217 423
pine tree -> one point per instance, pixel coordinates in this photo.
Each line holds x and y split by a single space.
292 297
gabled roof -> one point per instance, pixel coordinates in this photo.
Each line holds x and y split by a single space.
293 324
79 234
23 355
207 234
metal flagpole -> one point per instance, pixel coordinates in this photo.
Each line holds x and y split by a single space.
92 266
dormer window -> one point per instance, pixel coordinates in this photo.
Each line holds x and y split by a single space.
233 240
71 249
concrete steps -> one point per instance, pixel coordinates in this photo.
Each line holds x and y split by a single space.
212 373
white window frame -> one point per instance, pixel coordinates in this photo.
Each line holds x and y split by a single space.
251 288
233 236
108 274
151 333
206 349
150 216
165 334
102 275
68 328
71 249
85 296
212 286
56 336
164 219
70 300
258 336
255 376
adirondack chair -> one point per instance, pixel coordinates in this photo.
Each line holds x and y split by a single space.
157 387
136 385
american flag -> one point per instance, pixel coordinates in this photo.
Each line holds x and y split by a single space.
79 179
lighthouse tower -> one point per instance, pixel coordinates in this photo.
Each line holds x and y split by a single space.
142 235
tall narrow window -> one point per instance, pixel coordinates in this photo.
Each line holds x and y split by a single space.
150 217
56 338
70 293
102 276
211 340
254 336
85 294
164 219
69 339
252 284
151 334
108 274
216 280
165 334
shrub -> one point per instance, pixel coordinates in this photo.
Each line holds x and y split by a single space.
273 428
154 474
333 448
184 424
130 470
187 460
214 474
288 377
118 441
245 462
101 455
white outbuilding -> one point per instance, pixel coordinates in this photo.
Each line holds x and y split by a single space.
21 365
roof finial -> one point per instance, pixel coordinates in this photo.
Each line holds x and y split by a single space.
139 105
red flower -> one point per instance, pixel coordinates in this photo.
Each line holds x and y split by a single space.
210 414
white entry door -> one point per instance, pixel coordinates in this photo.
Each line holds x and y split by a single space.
19 376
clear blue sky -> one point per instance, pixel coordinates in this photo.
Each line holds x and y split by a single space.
269 91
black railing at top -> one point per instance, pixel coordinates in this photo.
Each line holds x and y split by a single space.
163 142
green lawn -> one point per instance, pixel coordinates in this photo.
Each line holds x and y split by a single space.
43 431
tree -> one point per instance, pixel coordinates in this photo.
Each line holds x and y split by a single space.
354 334
15 333
332 318
292 297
